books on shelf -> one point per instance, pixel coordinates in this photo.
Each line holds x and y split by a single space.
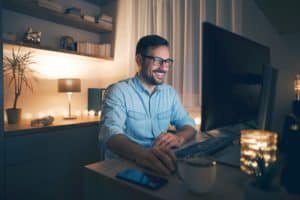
93 49
104 17
88 18
104 24
104 20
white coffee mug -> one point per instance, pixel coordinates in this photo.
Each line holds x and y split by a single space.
198 174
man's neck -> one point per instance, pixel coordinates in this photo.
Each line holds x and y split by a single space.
149 87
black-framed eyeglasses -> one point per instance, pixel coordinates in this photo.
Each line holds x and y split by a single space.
159 61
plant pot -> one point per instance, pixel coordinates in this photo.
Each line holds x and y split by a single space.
13 115
252 192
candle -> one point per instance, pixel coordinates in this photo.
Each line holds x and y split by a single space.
91 113
256 143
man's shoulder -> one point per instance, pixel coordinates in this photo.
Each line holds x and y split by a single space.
120 85
167 88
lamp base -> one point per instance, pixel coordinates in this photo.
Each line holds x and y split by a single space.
70 117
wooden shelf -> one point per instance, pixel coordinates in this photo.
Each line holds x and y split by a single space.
30 7
37 46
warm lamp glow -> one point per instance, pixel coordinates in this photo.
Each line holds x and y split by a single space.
253 143
85 113
28 116
197 121
91 113
41 114
297 87
78 113
69 85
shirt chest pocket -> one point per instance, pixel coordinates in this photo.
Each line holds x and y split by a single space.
164 119
136 124
136 115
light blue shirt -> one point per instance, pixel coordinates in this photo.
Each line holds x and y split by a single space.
129 109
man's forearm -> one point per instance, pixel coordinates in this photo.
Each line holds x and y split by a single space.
187 133
121 145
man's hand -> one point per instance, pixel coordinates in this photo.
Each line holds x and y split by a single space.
168 140
160 160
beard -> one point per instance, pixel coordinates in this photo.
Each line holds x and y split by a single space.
149 78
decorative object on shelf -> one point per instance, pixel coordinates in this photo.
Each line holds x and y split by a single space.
265 184
16 69
32 36
254 143
41 122
69 85
67 42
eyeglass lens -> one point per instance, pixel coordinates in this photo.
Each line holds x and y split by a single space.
159 61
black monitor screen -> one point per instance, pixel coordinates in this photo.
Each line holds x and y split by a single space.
232 78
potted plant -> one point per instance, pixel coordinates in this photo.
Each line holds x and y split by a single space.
19 75
265 184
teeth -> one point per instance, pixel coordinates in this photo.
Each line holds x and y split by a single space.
159 74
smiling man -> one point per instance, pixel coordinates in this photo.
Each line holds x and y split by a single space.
137 112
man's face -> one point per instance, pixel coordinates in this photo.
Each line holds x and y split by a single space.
154 65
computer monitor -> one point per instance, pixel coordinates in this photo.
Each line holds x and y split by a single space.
234 86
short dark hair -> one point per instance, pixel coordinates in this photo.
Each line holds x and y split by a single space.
149 41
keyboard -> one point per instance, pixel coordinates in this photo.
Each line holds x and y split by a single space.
206 147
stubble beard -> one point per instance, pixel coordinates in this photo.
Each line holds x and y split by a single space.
149 78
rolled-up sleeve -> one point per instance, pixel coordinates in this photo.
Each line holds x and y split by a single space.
113 114
180 117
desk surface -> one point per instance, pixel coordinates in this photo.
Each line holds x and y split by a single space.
100 182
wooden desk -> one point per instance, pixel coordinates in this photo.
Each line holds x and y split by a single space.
100 183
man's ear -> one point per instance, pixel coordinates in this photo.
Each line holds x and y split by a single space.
139 59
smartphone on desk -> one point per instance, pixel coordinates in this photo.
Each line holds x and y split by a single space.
141 178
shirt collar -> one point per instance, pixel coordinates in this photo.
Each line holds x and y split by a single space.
139 84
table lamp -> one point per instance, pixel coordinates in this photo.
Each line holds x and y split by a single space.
69 85
256 143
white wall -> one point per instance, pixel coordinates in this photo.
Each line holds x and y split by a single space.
255 26
93 73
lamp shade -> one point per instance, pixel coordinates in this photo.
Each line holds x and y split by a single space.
69 85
